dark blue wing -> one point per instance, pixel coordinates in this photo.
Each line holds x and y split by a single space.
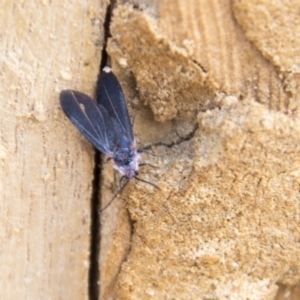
91 119
111 97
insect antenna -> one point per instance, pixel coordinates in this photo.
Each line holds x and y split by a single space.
146 164
145 181
115 196
123 187
147 152
122 179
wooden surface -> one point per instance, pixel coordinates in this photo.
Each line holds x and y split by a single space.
214 88
46 166
224 121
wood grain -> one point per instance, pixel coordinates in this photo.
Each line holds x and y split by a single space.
224 121
46 167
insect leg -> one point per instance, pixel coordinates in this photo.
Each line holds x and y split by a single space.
121 179
145 181
115 196
146 164
147 152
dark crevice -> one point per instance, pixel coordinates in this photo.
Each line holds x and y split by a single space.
95 232
188 136
94 271
200 66
106 26
132 229
179 141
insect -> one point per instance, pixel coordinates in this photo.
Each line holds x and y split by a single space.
106 124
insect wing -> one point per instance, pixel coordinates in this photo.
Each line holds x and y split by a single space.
111 97
90 118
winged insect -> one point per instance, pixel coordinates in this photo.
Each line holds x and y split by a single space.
106 124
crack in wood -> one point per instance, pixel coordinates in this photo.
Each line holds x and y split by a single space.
94 268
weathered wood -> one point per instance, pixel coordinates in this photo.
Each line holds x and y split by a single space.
225 224
46 167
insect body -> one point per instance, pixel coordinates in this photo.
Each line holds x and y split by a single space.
106 124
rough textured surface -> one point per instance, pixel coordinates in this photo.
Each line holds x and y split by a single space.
225 224
46 167
179 86
277 35
198 51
